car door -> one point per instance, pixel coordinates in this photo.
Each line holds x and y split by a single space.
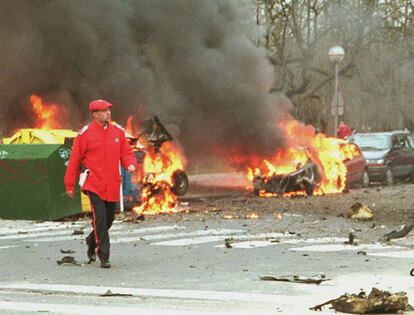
395 157
405 155
410 152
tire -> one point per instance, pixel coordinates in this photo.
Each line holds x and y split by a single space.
180 183
365 179
389 177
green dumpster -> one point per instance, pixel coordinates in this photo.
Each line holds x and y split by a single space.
31 182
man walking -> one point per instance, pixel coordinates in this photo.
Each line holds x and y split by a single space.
98 150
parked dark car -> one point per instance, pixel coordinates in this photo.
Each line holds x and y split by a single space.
389 155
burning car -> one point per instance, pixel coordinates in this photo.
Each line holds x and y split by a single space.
305 179
310 164
162 177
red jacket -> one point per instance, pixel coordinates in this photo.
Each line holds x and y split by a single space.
101 151
344 131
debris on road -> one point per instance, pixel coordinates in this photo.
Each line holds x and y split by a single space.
109 293
359 212
227 242
351 239
296 279
78 232
397 234
67 251
376 302
70 260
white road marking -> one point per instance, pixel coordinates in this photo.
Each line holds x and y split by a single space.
8 246
216 238
82 309
250 244
141 292
341 247
316 240
111 234
406 254
262 243
178 235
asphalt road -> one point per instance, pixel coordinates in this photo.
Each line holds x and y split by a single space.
179 264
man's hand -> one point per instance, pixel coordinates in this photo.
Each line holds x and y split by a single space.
131 168
70 193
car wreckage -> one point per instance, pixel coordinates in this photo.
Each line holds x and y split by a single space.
304 178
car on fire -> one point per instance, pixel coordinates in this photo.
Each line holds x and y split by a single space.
307 177
389 155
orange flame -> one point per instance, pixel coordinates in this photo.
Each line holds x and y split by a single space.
304 144
47 115
158 167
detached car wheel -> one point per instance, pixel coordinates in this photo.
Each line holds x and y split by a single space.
179 183
365 179
389 177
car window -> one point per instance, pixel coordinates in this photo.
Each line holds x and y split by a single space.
403 141
372 141
411 140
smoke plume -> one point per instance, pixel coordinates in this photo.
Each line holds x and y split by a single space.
191 62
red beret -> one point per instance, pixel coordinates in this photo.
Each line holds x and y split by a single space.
99 105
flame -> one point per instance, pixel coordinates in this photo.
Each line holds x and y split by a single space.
131 127
158 168
304 144
47 115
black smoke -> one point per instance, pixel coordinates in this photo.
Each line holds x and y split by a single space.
191 62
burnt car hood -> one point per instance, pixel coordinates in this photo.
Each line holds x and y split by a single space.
374 154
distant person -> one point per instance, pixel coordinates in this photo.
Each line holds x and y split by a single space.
343 130
99 149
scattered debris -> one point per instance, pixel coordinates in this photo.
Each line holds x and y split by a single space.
22 232
78 232
359 212
351 239
227 242
376 302
110 293
397 234
362 253
67 251
68 260
296 279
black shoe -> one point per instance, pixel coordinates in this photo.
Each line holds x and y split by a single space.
91 252
105 264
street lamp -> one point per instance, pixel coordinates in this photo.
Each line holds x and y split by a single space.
336 55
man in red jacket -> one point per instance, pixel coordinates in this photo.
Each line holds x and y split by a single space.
343 130
99 149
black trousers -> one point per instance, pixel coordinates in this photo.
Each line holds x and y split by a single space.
103 213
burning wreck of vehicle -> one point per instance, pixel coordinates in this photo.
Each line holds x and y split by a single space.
304 179
162 177
310 164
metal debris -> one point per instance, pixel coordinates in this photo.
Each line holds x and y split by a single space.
296 279
109 293
227 242
359 212
67 251
376 302
397 234
70 260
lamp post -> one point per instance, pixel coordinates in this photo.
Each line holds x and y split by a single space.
336 55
